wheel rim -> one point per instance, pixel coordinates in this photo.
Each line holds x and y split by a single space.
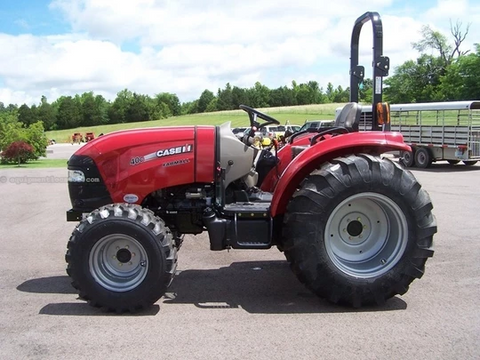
366 235
407 157
421 158
118 262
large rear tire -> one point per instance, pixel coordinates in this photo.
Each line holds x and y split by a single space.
121 258
359 230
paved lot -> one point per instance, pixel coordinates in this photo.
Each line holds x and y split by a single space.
62 151
237 304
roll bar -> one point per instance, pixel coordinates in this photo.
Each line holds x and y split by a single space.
380 63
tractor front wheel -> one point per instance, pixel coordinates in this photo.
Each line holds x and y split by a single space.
359 230
121 258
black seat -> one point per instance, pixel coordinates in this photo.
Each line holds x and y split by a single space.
349 117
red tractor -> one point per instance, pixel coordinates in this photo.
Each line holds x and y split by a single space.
89 136
356 228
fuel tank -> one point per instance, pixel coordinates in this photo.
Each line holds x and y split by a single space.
134 163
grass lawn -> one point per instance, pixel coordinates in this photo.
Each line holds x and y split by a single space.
296 115
41 163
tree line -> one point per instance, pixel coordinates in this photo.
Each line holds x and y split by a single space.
442 72
88 109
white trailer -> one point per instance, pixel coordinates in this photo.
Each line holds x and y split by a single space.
435 131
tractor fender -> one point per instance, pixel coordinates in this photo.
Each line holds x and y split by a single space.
312 157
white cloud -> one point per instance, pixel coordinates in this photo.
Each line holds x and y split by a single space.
186 46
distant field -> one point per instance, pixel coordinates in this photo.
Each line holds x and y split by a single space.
295 114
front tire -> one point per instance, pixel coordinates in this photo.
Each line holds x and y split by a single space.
121 258
359 230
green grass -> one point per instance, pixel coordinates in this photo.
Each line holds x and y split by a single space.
295 114
41 163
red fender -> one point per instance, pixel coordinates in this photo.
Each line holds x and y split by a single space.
372 142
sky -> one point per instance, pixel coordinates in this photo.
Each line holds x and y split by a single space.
67 47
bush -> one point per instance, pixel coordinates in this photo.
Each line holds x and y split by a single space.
18 152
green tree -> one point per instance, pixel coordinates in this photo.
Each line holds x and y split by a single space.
462 78
224 98
35 136
69 114
204 100
47 114
172 101
117 112
25 115
212 106
93 109
330 92
365 93
137 109
239 96
11 129
258 95
415 81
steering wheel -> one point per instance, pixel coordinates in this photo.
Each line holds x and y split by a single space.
253 114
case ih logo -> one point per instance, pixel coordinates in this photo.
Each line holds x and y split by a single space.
174 150
161 153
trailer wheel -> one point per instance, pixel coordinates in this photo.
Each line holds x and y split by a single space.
359 230
121 258
423 158
453 162
408 158
469 163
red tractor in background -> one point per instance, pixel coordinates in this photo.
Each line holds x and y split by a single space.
89 136
356 228
77 138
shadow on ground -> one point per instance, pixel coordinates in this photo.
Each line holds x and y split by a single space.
62 285
256 287
267 287
445 167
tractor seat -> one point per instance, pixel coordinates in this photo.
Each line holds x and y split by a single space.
349 117
348 120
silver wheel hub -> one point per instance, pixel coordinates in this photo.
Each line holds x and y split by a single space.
118 262
366 235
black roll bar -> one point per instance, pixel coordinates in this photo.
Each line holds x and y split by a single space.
380 64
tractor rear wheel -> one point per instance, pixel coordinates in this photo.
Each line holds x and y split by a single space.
121 258
359 230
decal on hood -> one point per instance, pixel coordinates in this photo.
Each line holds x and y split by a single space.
162 153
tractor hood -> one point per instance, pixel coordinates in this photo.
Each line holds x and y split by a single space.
134 163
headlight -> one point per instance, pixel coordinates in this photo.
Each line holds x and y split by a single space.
76 176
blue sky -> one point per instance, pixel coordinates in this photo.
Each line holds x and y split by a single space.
64 47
